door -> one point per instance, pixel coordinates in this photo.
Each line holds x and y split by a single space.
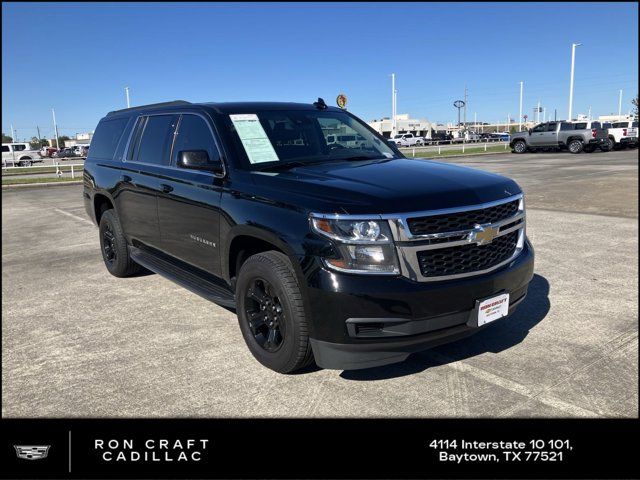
189 200
137 196
537 137
551 135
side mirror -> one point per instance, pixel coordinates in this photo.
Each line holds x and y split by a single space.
530 130
198 160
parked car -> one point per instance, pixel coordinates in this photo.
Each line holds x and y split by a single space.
561 135
20 154
67 152
440 138
623 134
47 152
407 140
324 254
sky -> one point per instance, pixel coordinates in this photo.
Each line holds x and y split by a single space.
78 58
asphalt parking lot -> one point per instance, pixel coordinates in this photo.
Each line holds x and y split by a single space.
77 342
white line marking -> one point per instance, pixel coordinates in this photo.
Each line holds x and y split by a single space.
73 216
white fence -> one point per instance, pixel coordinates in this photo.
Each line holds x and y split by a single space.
55 168
451 147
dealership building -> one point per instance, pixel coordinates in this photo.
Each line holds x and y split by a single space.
405 124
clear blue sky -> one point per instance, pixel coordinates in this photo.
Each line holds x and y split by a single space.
79 57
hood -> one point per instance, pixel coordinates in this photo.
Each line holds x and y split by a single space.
388 186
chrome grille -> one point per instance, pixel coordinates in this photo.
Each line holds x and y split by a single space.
459 242
467 258
452 222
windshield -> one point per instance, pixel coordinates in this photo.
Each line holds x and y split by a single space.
273 138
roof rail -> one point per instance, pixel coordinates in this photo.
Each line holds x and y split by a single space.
162 104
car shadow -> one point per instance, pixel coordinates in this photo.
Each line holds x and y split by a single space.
496 338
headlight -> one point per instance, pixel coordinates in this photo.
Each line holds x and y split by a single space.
364 246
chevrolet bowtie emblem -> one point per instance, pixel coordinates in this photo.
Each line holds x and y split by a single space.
483 234
32 452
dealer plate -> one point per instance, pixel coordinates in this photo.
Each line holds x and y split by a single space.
493 308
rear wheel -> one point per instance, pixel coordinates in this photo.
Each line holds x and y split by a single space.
607 145
25 162
575 146
115 251
519 146
271 313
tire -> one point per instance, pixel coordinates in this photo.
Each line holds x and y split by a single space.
26 162
575 146
279 337
519 146
114 248
607 145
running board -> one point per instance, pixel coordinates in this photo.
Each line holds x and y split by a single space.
184 277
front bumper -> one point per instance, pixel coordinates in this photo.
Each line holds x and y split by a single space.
365 321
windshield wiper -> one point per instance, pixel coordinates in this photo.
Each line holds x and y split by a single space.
283 166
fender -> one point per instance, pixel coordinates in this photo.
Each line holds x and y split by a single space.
261 234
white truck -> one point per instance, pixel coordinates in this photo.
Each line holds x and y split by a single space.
623 134
407 140
19 154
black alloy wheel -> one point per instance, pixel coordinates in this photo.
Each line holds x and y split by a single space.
265 315
109 245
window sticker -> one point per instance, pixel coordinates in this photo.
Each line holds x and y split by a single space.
254 138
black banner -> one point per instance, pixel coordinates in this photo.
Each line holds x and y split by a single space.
279 448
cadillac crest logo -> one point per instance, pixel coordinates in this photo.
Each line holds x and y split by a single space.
32 452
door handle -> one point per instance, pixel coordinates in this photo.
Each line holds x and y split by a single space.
126 178
166 188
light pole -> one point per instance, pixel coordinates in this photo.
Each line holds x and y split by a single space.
520 114
393 105
620 106
126 90
55 129
573 64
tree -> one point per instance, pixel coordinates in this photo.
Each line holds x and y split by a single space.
35 143
63 139
634 102
6 138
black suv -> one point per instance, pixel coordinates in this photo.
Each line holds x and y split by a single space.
343 252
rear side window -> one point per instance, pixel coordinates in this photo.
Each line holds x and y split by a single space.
105 140
19 148
5 148
566 126
580 126
620 125
194 134
595 125
156 139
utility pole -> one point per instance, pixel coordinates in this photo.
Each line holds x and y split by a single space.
393 105
589 114
55 129
538 113
544 114
39 139
573 64
520 114
126 90
13 134
555 114
465 107
620 106
475 122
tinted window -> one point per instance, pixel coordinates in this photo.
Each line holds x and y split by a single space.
540 128
634 124
194 134
620 125
156 139
580 126
566 126
5 148
19 148
551 127
596 125
106 138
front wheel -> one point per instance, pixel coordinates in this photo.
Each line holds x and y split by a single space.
575 146
520 146
271 313
25 163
